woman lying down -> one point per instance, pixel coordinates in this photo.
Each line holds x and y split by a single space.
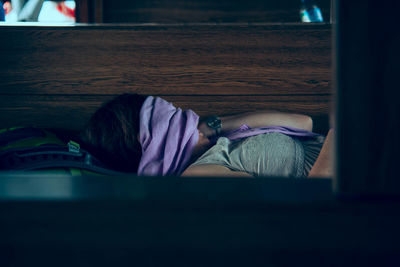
149 136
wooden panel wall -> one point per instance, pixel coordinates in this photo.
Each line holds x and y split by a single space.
57 77
172 11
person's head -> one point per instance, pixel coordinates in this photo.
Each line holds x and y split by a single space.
112 132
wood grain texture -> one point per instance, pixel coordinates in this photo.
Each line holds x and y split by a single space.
57 77
220 60
72 111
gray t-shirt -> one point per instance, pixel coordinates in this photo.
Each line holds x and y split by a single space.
270 154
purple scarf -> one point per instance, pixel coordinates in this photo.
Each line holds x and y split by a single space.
168 136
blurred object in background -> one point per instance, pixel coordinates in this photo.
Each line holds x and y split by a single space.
2 12
7 7
310 12
39 10
57 11
24 10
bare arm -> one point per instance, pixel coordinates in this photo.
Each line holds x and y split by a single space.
260 119
213 170
324 165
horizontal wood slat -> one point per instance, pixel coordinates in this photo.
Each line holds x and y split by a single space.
222 60
73 111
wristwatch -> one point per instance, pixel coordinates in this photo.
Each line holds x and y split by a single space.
214 122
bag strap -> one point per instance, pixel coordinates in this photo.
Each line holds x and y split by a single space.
52 156
8 136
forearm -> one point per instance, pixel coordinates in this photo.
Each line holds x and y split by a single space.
324 165
267 118
261 119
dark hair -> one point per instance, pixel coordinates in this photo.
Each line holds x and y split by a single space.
112 131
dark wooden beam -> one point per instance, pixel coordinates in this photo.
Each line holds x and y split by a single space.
128 220
367 58
98 11
89 11
82 11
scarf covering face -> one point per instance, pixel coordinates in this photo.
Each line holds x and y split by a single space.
167 136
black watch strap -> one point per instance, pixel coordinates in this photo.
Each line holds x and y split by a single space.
214 122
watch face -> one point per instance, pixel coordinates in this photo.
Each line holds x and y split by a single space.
214 122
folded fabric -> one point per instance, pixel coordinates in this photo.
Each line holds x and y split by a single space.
168 136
